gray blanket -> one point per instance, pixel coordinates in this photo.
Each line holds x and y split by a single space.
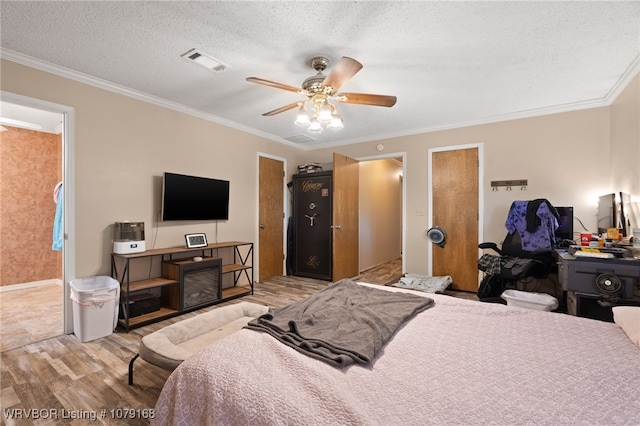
342 324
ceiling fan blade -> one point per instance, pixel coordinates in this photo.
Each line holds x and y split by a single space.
343 71
273 84
282 109
367 99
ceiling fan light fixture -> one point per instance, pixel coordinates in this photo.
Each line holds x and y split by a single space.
319 90
336 120
336 124
302 119
324 112
315 126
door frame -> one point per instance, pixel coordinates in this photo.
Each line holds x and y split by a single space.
480 147
68 226
402 154
285 209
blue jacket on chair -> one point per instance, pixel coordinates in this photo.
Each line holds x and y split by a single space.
535 221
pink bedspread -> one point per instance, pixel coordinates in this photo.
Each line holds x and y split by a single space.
459 362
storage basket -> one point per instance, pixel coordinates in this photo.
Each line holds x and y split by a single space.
535 301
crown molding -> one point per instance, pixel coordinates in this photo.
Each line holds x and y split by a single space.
632 70
619 86
61 71
538 112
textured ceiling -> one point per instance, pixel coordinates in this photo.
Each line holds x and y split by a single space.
449 63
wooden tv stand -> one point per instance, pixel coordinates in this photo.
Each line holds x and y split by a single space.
176 263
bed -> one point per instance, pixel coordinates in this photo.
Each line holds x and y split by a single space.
457 362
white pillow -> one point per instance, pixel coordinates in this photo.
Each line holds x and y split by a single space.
628 318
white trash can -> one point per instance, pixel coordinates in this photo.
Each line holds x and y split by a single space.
535 301
95 306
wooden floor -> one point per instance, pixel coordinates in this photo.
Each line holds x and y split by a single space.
384 274
68 378
62 373
30 315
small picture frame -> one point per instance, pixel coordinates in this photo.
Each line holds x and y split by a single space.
196 240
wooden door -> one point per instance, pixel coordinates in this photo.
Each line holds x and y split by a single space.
345 217
271 218
455 209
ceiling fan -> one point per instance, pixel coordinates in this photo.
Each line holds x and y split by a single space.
320 91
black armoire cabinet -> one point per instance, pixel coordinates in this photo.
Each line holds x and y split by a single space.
312 217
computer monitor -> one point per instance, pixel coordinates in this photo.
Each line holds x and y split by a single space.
565 223
607 213
629 215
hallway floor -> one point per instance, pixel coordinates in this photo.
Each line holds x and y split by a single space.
30 315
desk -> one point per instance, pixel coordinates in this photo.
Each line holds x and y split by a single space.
578 278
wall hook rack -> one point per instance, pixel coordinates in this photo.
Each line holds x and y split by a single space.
508 184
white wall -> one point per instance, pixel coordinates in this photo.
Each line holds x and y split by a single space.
625 137
564 157
123 145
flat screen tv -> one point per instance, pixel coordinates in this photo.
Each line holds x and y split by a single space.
187 197
565 223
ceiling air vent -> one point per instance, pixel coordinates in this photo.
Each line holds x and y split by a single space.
300 139
205 60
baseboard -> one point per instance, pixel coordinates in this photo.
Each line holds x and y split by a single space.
32 284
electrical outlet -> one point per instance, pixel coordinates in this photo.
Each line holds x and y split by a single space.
419 212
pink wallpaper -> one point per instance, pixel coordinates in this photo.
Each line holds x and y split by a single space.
30 168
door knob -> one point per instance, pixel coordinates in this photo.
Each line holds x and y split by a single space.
262 226
335 226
